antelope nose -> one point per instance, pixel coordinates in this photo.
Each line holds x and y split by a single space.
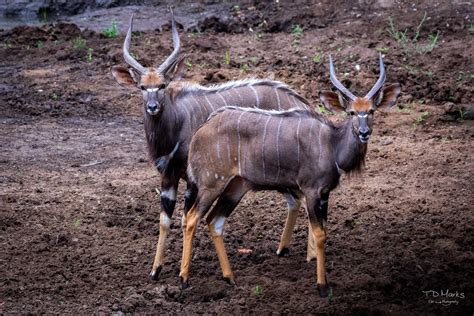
152 107
364 132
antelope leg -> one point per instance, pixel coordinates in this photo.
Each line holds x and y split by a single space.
317 221
311 250
192 219
168 202
226 203
293 209
216 229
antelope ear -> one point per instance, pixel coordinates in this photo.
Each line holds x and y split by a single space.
176 70
388 96
332 101
124 77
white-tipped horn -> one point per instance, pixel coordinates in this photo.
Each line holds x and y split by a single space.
378 85
337 83
126 55
176 44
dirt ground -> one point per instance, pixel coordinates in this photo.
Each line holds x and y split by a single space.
79 214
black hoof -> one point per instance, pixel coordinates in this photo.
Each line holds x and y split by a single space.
154 275
323 290
230 281
285 251
183 284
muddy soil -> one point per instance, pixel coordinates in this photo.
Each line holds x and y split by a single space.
79 213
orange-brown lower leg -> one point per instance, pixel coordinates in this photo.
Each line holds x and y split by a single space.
319 234
287 231
192 219
311 249
216 230
165 222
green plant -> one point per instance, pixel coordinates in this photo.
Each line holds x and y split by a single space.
79 43
227 58
323 110
111 31
254 60
43 13
39 44
317 58
330 294
416 70
76 222
297 33
413 43
188 64
383 50
433 42
297 30
461 114
89 54
420 119
258 290
203 65
403 110
54 96
464 76
244 68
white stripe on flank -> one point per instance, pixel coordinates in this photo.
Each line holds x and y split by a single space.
294 100
263 146
218 137
192 115
238 145
228 154
278 99
278 147
298 140
256 96
203 115
223 99
209 102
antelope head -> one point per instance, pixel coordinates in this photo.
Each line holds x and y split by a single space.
360 109
151 81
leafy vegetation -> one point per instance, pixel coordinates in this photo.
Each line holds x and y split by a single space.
317 58
111 31
258 290
420 119
297 30
297 33
411 41
227 58
89 54
79 43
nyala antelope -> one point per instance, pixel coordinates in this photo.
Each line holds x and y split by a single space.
295 151
173 111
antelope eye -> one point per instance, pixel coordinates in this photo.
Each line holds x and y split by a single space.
352 113
142 87
161 86
371 111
